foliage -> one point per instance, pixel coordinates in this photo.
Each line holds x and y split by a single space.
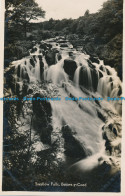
19 15
99 32
17 50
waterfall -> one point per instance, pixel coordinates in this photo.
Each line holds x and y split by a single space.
25 70
37 69
76 76
45 68
81 116
56 73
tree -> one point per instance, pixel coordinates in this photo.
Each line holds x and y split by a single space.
22 13
86 13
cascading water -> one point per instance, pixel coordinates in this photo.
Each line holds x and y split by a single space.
81 117
56 73
37 70
76 76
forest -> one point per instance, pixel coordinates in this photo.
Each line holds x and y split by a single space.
100 34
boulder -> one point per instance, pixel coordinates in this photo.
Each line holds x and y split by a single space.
70 67
59 57
50 57
72 146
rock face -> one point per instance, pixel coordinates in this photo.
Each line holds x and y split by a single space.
42 119
72 146
70 67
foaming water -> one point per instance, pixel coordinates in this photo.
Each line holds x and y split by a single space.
76 76
56 73
82 117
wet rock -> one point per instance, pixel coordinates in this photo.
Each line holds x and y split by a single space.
100 74
41 65
70 53
61 41
55 50
34 57
108 72
101 116
59 57
42 118
120 91
18 70
101 68
24 88
72 146
64 45
30 91
33 50
111 84
32 62
26 77
94 59
43 46
70 67
110 80
50 57
94 75
91 65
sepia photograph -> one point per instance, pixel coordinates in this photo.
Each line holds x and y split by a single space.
62 96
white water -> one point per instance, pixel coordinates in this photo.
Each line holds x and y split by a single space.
81 116
37 70
76 76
